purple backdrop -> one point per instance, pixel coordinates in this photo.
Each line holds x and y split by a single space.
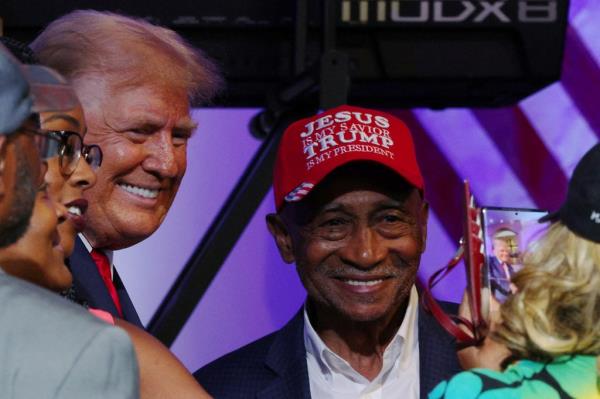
519 156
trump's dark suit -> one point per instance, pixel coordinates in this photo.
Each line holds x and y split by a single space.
89 287
275 365
499 282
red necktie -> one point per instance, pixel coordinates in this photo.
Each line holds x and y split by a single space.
103 266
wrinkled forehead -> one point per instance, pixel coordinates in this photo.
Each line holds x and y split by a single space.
348 180
151 103
106 86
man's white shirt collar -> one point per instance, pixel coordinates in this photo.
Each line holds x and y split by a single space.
332 377
107 252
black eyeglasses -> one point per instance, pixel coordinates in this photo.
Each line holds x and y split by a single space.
73 149
68 146
92 155
70 150
48 145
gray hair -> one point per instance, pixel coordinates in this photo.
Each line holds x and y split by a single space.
133 51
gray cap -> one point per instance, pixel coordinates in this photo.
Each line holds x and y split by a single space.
27 89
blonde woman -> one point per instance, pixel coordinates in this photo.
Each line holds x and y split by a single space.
548 336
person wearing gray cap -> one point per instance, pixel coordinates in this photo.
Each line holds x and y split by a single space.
18 152
50 348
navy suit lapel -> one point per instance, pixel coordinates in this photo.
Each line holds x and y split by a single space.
437 352
127 307
494 267
90 287
287 359
87 281
425 351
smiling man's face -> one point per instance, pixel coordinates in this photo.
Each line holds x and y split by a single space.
143 132
357 242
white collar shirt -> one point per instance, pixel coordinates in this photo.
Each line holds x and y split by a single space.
109 253
332 377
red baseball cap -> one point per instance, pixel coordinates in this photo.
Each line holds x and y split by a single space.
312 148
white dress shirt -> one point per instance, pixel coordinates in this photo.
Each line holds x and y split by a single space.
332 377
107 252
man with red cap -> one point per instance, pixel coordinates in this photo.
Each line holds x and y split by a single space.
351 216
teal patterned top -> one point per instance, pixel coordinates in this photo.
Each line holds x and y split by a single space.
565 377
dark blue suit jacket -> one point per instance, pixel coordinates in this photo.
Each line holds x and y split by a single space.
499 284
89 287
275 366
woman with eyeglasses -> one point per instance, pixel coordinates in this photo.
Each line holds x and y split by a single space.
546 340
40 255
78 176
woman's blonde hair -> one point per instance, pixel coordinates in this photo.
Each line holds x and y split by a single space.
556 310
132 50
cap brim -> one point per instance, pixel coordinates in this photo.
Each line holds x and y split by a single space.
305 189
551 217
49 90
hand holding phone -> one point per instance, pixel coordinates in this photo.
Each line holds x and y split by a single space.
492 247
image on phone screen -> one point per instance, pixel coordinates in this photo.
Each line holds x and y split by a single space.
507 235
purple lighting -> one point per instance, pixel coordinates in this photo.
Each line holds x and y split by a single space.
518 157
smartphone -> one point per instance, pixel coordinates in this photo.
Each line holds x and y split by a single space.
507 234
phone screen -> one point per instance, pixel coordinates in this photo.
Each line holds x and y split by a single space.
508 232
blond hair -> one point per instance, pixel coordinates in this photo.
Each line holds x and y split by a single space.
556 309
132 51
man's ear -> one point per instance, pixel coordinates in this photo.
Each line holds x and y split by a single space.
282 237
424 220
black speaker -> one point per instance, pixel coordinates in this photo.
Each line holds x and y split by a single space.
401 53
